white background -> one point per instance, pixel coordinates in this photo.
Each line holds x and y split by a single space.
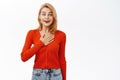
93 37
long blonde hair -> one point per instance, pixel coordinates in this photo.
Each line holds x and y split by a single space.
53 26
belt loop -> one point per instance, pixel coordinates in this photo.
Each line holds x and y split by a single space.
50 70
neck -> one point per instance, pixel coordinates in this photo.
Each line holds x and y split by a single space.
45 29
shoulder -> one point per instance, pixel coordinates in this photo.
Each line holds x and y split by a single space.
32 31
61 33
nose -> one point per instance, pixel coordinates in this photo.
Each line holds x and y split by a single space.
46 16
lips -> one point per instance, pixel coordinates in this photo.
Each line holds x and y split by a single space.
46 21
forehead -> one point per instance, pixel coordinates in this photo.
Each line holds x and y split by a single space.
45 9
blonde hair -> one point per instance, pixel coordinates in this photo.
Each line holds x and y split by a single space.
53 26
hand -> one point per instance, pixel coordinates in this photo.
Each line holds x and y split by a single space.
46 37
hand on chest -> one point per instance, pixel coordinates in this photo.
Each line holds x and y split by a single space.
46 37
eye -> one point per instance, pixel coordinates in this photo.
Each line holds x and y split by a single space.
50 14
43 14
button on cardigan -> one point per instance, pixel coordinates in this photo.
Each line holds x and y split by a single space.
46 56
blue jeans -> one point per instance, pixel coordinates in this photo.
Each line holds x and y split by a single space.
46 74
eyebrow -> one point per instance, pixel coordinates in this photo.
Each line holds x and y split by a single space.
50 12
45 12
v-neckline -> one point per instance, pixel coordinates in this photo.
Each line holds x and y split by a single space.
53 34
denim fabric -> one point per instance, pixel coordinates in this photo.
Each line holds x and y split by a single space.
46 74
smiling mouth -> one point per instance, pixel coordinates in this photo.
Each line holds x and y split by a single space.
46 21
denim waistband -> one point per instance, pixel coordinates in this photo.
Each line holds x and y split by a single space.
46 74
47 70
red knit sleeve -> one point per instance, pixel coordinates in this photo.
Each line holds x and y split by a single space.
28 51
62 56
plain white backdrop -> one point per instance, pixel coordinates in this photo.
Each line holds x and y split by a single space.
93 37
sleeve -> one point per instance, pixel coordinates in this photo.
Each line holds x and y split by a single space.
62 57
28 51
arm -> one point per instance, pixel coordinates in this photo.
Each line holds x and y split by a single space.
29 51
62 56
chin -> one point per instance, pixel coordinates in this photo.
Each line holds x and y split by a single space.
47 25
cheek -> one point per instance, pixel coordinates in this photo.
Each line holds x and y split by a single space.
51 19
40 17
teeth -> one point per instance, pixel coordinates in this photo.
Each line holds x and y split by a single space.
46 21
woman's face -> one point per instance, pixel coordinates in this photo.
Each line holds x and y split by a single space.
46 17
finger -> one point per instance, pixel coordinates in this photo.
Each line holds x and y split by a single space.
50 37
51 40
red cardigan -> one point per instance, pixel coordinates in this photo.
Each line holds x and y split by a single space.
46 56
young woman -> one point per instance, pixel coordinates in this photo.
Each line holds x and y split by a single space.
48 45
